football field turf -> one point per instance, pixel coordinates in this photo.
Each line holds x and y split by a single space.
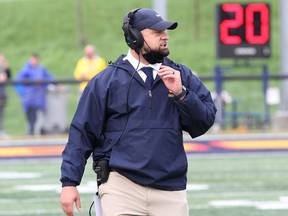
218 184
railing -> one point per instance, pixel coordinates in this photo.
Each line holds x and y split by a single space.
15 119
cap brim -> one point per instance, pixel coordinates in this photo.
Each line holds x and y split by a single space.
163 25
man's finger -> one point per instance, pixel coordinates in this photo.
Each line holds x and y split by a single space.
78 204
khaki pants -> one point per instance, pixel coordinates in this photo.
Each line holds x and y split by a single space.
121 197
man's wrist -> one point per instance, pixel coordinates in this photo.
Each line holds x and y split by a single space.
69 183
182 95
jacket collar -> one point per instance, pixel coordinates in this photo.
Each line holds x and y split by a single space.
124 64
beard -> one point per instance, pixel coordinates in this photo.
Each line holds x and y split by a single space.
154 56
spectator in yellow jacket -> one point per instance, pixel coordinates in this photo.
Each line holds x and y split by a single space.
88 66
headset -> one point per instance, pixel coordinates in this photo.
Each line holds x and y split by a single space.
133 37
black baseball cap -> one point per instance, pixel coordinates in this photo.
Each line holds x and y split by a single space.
145 18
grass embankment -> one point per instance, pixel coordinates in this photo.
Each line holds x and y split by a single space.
49 27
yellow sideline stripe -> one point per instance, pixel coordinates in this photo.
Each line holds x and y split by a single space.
27 151
192 146
252 144
56 150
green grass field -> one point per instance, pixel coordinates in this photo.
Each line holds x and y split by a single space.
218 185
49 27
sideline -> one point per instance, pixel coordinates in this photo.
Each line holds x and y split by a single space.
52 146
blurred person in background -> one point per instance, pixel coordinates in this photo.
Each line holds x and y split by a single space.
33 96
131 118
5 74
88 66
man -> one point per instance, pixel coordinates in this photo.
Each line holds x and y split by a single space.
33 95
88 66
136 126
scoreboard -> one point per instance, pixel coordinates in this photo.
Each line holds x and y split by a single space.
243 30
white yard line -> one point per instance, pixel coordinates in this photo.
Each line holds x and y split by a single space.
89 187
196 187
280 204
18 175
232 195
37 188
32 212
30 200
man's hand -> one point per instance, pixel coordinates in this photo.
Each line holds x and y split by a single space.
171 79
69 195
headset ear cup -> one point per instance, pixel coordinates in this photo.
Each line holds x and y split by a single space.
133 37
137 38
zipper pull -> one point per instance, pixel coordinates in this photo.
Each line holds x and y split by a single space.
150 93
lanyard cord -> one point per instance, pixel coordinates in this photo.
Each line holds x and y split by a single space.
127 115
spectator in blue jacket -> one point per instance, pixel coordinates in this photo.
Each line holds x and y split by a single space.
131 117
33 96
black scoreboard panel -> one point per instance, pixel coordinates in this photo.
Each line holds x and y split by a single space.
243 30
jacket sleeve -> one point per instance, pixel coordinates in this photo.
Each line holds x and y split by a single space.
84 132
197 110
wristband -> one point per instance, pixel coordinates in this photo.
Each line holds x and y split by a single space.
181 95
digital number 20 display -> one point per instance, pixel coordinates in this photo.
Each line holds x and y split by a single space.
243 30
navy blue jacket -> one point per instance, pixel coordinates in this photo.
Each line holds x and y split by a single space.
139 131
